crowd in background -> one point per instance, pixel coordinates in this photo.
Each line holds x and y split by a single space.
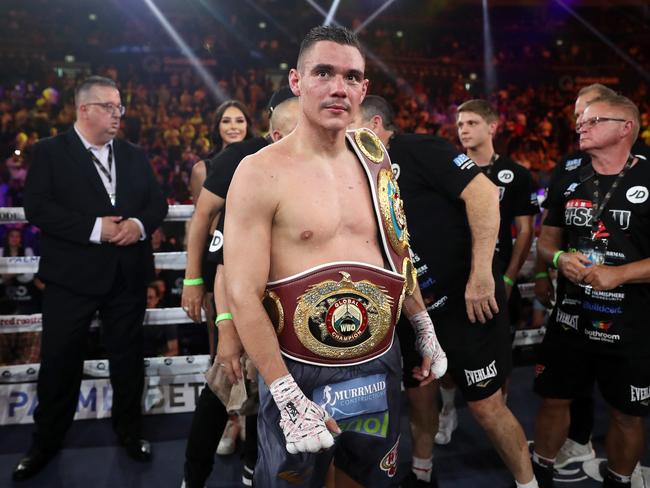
170 107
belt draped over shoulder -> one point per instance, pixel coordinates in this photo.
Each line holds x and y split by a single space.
345 313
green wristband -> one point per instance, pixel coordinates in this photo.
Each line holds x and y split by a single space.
541 274
556 257
221 317
192 281
508 281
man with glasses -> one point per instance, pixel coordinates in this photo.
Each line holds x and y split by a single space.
596 234
577 447
96 202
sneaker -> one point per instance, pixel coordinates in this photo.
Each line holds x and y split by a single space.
447 423
247 476
228 441
573 452
543 475
411 481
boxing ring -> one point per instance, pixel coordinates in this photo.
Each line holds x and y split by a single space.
172 384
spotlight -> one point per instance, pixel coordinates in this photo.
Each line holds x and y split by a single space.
399 34
473 76
262 25
69 58
559 42
284 66
467 86
92 17
17 152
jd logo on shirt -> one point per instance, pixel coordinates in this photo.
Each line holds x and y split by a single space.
505 176
637 194
217 241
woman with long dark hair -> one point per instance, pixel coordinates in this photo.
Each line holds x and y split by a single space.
231 124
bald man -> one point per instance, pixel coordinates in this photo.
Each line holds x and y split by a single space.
210 416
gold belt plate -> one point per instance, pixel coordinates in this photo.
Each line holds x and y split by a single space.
344 319
392 211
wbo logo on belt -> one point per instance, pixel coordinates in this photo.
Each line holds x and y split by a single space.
352 398
343 319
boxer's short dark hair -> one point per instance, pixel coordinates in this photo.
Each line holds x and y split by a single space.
339 35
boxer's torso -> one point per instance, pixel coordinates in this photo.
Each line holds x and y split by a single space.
324 212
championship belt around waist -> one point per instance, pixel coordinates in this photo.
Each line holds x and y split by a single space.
336 314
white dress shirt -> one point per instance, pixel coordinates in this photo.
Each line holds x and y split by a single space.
101 153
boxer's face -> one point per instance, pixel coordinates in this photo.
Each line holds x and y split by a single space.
330 84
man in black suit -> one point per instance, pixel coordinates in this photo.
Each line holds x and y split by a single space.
96 202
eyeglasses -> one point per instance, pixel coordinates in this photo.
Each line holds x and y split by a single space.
109 107
589 123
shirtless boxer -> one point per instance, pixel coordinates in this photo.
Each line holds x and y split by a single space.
318 268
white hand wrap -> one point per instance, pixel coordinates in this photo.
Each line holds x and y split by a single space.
301 420
427 343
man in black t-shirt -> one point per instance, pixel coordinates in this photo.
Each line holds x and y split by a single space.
453 220
598 331
578 446
210 416
477 123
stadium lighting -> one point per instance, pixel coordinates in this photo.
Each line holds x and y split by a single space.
488 52
207 78
372 17
605 40
330 14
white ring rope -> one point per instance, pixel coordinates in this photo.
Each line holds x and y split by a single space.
10 324
157 366
99 368
29 264
16 215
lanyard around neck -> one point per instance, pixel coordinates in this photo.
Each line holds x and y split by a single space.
490 166
599 207
100 166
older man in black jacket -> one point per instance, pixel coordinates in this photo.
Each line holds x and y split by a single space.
96 202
